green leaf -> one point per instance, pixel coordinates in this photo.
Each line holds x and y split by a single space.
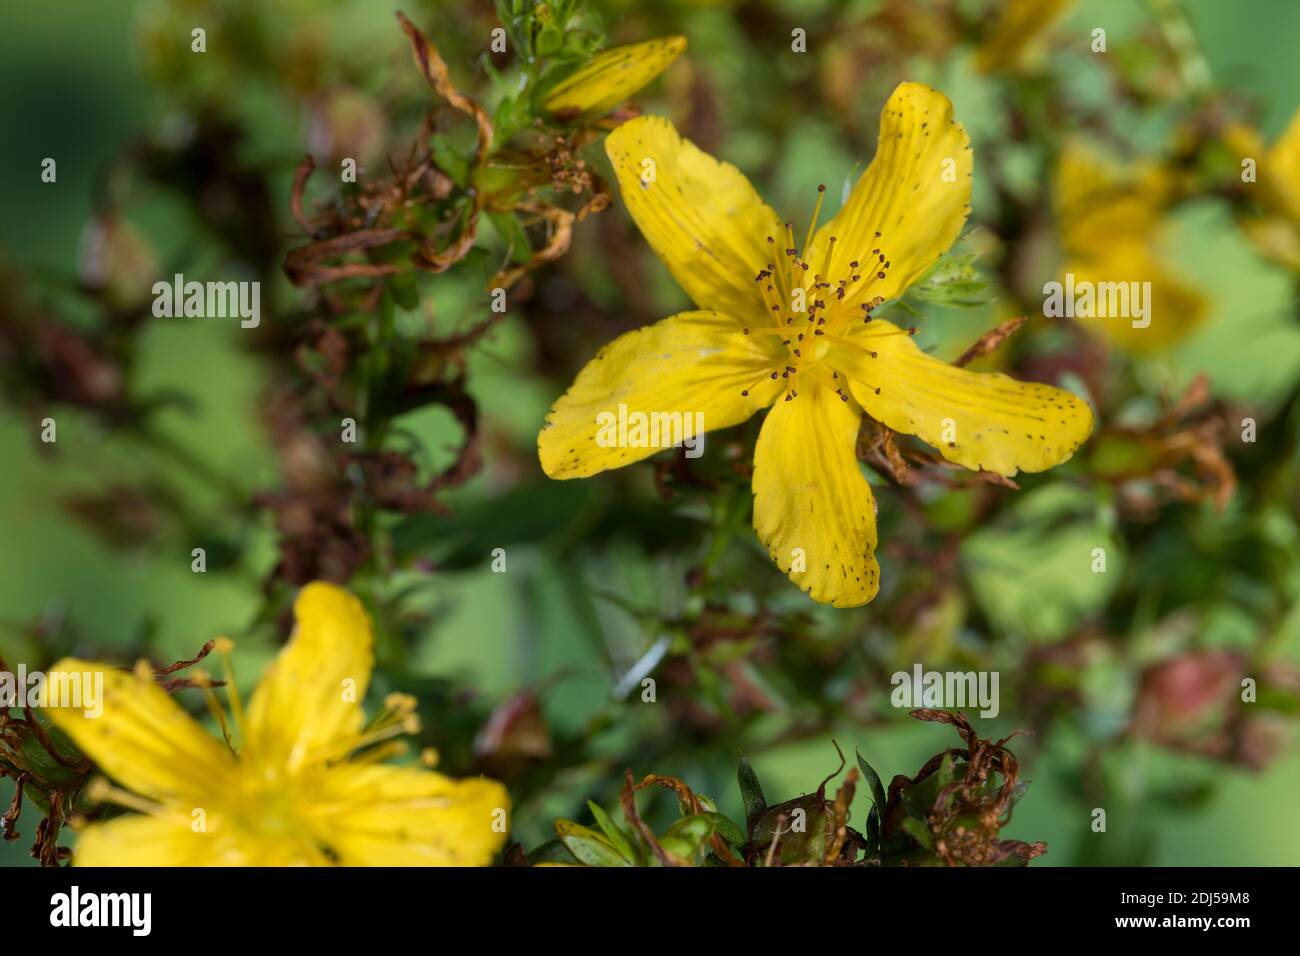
512 233
588 846
919 832
449 160
405 290
687 835
877 791
953 281
549 40
751 791
727 829
615 833
1031 570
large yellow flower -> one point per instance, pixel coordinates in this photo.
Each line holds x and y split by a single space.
1110 220
290 795
822 367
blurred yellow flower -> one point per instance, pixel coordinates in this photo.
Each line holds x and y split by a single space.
1109 222
294 793
795 330
611 76
1011 42
1275 229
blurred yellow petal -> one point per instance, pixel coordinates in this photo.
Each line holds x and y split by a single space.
1274 237
309 700
1281 172
980 420
915 194
1110 219
693 363
1019 26
611 76
701 216
813 508
1098 203
403 816
142 738
1273 225
1173 308
142 841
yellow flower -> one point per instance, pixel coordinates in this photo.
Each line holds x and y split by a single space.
290 795
822 368
1009 45
1109 221
611 76
1275 231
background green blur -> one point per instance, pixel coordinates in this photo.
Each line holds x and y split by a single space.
70 88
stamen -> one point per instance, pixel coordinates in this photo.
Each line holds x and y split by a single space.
101 791
820 375
214 707
812 226
224 646
830 253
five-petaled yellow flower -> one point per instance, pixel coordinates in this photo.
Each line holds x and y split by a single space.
291 794
821 368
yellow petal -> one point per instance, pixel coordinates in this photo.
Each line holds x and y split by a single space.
136 840
915 193
981 420
693 365
701 217
1020 23
401 816
142 738
812 506
309 700
611 76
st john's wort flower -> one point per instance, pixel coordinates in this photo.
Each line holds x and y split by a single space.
287 786
821 368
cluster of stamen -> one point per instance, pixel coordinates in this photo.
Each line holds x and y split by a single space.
777 282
